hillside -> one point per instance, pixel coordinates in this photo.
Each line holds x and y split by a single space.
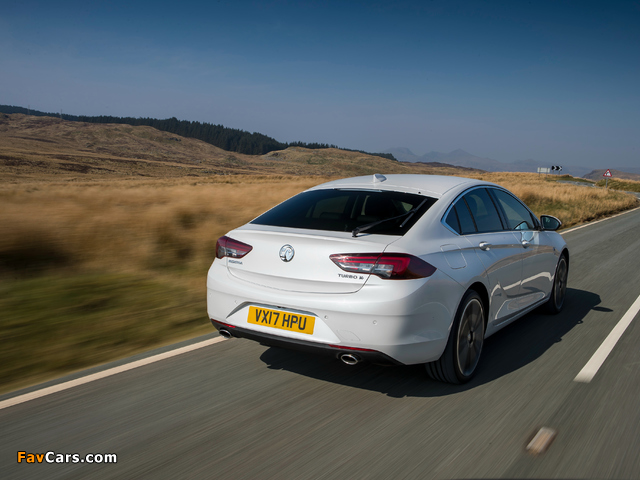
46 147
229 139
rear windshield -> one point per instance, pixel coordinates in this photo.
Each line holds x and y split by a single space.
343 210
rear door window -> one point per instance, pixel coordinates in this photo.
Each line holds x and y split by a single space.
483 210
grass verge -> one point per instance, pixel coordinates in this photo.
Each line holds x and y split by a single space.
53 324
624 185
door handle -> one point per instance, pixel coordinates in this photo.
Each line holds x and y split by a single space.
525 244
485 246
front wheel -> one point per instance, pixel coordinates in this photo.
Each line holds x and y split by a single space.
460 359
558 291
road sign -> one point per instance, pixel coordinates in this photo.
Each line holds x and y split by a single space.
607 173
544 170
557 168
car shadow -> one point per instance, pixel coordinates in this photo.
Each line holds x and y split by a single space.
508 350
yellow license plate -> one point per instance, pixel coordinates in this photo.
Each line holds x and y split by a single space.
293 322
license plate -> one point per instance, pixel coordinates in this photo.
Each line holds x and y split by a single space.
293 322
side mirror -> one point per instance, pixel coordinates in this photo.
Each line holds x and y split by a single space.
550 223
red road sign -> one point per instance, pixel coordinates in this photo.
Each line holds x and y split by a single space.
607 173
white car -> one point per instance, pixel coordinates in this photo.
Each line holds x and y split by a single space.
400 269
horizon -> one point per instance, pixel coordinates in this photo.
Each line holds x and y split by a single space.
394 150
554 82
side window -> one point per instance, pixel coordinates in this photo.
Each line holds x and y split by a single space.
483 210
466 222
452 220
518 216
460 219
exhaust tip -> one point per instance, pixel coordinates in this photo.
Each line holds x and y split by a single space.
225 333
349 359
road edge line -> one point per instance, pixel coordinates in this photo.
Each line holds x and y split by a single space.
105 373
593 365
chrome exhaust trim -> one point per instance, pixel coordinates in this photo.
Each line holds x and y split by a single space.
349 359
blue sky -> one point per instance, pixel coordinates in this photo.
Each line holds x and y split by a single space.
554 81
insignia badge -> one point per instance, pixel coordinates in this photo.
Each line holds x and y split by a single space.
286 253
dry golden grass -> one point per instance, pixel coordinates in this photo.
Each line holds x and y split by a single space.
624 185
94 271
572 204
149 224
131 225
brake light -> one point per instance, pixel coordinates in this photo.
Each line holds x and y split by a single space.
228 247
394 266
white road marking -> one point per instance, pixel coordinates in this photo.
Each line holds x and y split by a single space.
597 221
541 441
598 358
106 373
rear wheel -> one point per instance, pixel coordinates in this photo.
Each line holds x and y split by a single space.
460 359
558 291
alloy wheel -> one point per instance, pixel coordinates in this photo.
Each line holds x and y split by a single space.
470 337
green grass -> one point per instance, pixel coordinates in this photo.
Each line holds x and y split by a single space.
620 185
55 324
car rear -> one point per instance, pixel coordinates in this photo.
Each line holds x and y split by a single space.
302 276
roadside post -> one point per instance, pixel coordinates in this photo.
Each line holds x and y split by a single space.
606 176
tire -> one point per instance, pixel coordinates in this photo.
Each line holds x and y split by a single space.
559 289
461 356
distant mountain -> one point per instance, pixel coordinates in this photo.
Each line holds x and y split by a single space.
403 154
461 158
635 170
597 174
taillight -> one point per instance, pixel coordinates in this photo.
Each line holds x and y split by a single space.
228 247
395 266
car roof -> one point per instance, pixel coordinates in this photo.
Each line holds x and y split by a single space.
430 185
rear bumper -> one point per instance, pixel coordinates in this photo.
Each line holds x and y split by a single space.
266 339
407 321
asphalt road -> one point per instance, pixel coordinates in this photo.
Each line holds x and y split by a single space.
240 410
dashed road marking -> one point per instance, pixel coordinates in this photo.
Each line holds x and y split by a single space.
541 441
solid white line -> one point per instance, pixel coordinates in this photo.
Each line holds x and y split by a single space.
597 221
106 373
592 366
